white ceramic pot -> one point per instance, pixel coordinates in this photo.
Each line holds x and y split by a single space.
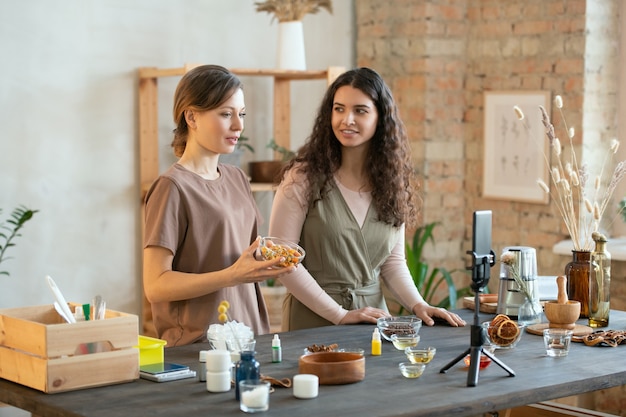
290 54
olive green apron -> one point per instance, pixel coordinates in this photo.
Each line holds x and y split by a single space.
343 258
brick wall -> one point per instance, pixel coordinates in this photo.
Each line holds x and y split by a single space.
440 56
420 48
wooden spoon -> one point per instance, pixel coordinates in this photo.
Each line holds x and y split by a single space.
561 282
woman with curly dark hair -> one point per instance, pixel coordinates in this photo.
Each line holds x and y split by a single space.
346 198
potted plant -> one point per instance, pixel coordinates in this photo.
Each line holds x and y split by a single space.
18 218
285 153
292 10
428 280
289 13
267 171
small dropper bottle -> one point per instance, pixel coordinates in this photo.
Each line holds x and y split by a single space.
202 371
377 346
277 353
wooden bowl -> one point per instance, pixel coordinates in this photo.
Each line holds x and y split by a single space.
334 368
265 171
562 316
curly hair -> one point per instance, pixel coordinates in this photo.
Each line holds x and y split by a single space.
201 89
388 161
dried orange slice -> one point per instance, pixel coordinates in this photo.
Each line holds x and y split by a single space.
502 330
508 330
495 323
500 318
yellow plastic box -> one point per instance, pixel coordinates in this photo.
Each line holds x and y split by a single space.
40 350
150 350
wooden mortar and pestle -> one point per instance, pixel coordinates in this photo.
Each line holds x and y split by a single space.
563 313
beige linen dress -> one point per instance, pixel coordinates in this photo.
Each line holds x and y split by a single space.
344 258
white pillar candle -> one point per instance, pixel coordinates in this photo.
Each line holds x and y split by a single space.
305 386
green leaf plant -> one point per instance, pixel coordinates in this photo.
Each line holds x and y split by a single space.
9 230
285 153
244 143
426 279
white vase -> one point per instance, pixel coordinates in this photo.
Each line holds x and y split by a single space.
290 54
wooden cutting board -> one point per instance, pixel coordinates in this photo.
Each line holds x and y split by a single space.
579 329
468 302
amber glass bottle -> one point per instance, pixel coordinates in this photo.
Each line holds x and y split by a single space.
577 274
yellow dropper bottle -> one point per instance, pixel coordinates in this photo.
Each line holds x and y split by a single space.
377 346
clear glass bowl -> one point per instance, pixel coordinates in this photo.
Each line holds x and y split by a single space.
504 338
420 355
308 352
401 325
411 370
356 350
274 247
403 341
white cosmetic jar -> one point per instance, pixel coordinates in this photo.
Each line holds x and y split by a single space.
218 381
218 360
305 386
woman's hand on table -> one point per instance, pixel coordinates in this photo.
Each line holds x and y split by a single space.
428 313
363 315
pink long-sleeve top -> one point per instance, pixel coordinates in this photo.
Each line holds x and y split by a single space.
287 218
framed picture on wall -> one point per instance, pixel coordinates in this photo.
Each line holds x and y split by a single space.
514 150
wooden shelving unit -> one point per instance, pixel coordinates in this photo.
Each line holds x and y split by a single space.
149 135
148 111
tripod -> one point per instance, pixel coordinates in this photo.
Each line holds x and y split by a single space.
480 277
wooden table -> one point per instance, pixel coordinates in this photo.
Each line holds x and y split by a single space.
383 392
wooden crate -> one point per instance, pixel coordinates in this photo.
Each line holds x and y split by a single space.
40 350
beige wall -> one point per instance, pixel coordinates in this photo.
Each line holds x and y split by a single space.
68 93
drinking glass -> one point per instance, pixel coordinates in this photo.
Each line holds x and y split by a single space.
557 341
254 395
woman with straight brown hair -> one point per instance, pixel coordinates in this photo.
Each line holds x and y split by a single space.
201 219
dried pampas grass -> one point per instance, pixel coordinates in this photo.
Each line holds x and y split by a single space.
292 10
581 212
